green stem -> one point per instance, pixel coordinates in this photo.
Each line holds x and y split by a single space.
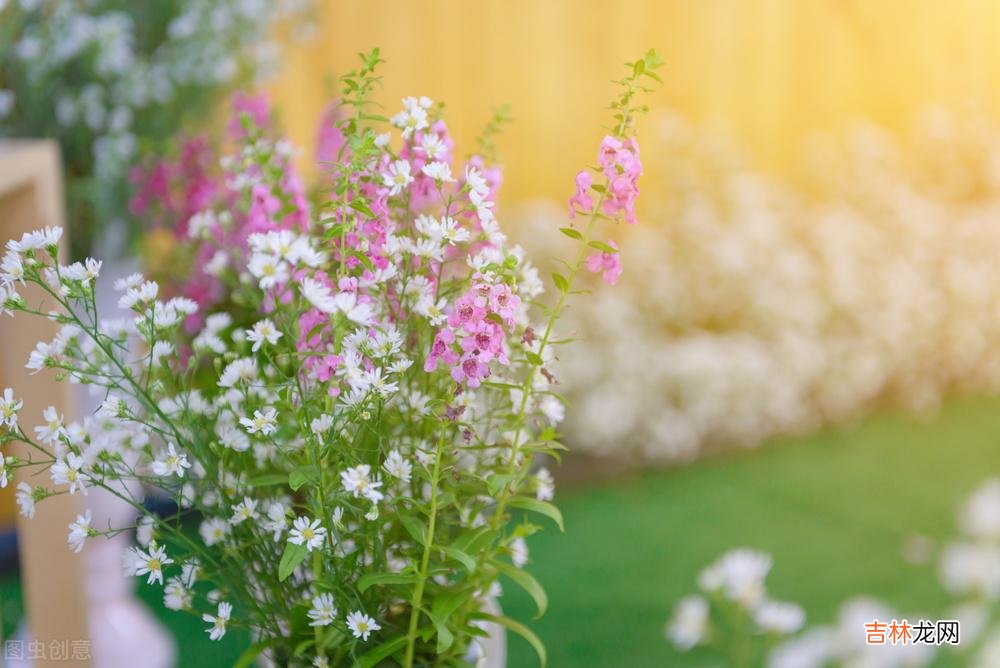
418 590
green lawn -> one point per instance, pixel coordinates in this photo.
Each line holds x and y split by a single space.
834 510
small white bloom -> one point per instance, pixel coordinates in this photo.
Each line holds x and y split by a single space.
264 422
151 562
545 486
323 611
357 480
174 462
398 467
213 530
307 533
144 531
9 406
321 425
397 177
25 500
779 617
244 510
318 295
79 531
53 429
739 574
241 370
689 625
261 332
218 622
361 625
439 171
277 519
69 471
176 596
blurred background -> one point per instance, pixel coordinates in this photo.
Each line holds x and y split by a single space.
803 354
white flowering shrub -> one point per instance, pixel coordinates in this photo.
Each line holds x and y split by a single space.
350 409
759 308
733 615
112 79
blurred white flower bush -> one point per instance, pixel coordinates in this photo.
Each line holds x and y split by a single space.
760 308
111 78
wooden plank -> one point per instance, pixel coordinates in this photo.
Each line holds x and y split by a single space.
52 576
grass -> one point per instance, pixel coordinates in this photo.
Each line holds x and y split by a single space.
834 509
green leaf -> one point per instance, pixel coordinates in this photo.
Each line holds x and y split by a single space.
372 579
534 358
445 638
303 475
571 233
561 283
450 600
497 482
603 247
414 527
383 651
518 628
290 559
527 583
461 557
536 506
268 480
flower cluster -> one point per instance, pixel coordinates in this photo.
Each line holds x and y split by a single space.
111 78
345 407
734 603
763 308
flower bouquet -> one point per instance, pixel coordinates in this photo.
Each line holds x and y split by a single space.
345 401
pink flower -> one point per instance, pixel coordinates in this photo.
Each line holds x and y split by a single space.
621 166
608 263
471 370
582 197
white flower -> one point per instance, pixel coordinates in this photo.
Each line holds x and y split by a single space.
397 177
971 568
321 425
323 611
980 516
25 500
53 429
139 296
151 562
270 270
130 282
11 268
739 574
357 480
361 625
519 552
277 519
689 625
9 408
779 617
176 596
552 408
79 531
261 332
307 533
398 467
318 295
432 146
264 422
69 471
241 370
172 463
30 241
545 486
213 530
412 118
83 272
219 621
439 171
244 510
